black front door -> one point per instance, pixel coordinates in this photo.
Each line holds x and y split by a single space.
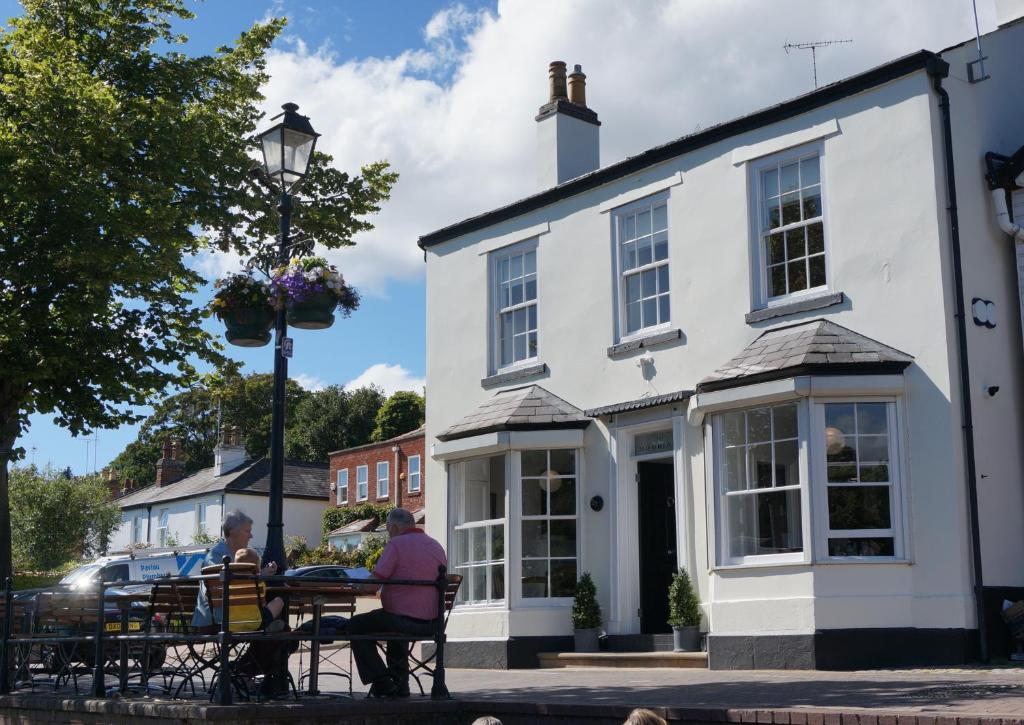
656 499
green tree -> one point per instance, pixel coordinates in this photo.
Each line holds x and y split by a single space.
404 411
122 158
331 419
247 403
56 519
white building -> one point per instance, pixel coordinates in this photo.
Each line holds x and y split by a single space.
176 509
747 352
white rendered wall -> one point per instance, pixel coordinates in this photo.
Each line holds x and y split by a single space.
886 255
301 517
989 116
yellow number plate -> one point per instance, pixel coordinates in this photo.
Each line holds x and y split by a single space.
116 626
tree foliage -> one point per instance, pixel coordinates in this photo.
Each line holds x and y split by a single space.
404 411
331 419
586 612
123 157
683 604
56 519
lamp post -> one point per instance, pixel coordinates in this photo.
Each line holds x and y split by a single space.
287 149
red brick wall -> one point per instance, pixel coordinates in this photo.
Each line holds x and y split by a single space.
369 457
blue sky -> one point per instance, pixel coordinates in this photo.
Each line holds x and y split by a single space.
447 93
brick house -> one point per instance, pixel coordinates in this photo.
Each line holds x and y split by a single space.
390 471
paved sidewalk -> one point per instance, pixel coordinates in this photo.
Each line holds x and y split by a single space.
983 693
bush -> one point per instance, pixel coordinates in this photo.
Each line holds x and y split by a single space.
323 554
335 518
683 605
586 612
36 579
370 548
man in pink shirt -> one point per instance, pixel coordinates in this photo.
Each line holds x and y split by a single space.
405 609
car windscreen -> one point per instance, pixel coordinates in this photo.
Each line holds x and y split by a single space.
82 574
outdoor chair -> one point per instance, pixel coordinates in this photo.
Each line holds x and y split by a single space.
173 603
329 653
21 644
71 615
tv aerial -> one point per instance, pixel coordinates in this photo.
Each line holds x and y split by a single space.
813 47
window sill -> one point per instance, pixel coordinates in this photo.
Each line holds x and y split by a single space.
791 308
528 371
645 342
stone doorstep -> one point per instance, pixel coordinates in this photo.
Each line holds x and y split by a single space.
690 660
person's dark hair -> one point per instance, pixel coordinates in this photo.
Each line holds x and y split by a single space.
642 716
233 520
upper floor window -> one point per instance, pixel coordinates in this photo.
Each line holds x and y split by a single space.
414 474
201 517
342 496
362 476
137 523
642 250
382 479
515 304
791 226
161 530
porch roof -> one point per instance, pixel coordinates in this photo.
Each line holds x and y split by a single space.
807 348
640 403
354 527
527 408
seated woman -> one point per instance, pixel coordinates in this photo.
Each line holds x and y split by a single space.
269 615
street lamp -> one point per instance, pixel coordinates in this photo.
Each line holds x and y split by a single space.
287 149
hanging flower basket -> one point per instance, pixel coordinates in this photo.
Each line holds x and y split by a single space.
311 290
243 304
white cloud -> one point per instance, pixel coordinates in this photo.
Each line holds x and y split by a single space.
389 377
309 382
465 144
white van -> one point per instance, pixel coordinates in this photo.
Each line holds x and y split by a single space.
139 565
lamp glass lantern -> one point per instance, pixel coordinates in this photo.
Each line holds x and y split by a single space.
288 147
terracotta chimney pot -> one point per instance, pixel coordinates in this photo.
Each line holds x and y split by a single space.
578 87
556 80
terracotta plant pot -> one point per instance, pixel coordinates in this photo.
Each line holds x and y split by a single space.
248 326
313 313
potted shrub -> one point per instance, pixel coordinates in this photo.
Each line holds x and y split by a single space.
684 613
311 290
244 305
586 615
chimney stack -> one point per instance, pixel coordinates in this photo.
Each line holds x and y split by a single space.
169 469
230 451
568 143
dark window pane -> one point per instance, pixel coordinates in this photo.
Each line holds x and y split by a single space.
648 283
519 347
784 419
517 293
812 203
535 579
761 465
535 538
478 583
840 415
628 256
531 346
874 474
815 238
563 497
772 214
878 546
633 317
663 278
650 315
663 309
873 448
563 461
497 542
534 463
871 418
778 280
532 317
797 275
517 266
530 262
643 251
765 523
858 507
531 289
795 245
660 246
563 538
809 173
629 227
787 470
632 288
776 250
817 265
660 217
759 425
478 544
643 223
520 320
563 577
498 581
841 473
771 183
733 424
534 497
735 469
790 208
790 177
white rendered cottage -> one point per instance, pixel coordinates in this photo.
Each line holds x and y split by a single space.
748 352
177 508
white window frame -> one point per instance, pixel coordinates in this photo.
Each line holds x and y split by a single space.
897 466
494 304
163 521
201 514
416 475
718 480
517 489
383 481
137 534
341 489
362 483
761 289
454 487
619 285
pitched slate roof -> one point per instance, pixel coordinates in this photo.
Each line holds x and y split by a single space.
527 408
301 480
814 347
640 403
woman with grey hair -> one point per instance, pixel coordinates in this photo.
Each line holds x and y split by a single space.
237 529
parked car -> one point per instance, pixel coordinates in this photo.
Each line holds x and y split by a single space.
330 571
